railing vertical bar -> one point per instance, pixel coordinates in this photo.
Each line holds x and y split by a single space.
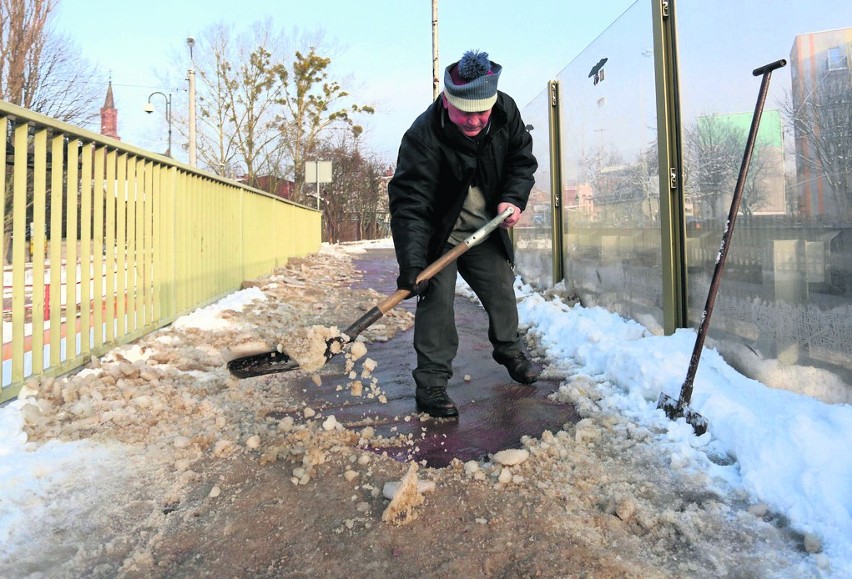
125 185
37 249
192 240
71 254
148 234
98 246
157 245
57 173
133 251
182 282
19 236
168 276
4 135
86 198
142 274
110 194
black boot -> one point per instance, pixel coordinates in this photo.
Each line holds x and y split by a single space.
521 368
434 401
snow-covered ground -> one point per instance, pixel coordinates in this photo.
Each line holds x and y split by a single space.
786 452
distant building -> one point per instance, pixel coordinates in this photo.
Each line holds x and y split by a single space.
580 198
821 104
109 116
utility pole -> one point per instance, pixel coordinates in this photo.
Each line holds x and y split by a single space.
191 78
436 79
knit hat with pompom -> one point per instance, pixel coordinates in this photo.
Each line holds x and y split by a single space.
471 83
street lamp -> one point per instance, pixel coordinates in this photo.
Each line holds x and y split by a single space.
149 108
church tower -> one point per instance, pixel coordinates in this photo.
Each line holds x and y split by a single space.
109 116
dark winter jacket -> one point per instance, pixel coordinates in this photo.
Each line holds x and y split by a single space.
437 164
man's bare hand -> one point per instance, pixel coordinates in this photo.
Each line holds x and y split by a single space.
511 219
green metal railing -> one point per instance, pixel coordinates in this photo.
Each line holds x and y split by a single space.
104 242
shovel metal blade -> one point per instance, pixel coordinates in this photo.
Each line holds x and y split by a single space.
274 361
675 409
261 364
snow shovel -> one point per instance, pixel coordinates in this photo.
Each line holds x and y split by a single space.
675 409
275 361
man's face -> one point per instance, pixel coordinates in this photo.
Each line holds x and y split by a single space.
470 124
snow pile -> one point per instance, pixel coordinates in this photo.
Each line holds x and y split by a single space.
211 318
308 346
405 498
126 432
786 450
32 478
355 247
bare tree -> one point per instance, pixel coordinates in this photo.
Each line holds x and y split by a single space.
262 114
823 123
643 180
236 105
217 147
251 95
755 191
712 151
714 147
42 70
355 202
313 104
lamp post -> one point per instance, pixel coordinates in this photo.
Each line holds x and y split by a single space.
149 108
190 42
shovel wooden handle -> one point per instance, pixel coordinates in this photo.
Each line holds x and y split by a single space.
429 272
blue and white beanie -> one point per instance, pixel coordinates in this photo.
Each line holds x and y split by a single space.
470 84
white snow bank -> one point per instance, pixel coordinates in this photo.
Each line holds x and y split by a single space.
207 318
791 451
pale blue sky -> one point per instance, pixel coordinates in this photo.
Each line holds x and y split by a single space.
385 46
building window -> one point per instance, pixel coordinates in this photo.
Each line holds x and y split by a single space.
837 58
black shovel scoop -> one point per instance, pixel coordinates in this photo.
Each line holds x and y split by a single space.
275 361
675 409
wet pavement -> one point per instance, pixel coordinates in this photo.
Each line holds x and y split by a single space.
494 411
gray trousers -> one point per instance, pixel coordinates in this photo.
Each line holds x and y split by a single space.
490 275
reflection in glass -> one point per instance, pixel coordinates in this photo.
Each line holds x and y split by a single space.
610 171
784 310
786 293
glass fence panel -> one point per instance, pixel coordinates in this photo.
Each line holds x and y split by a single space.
533 234
610 187
785 298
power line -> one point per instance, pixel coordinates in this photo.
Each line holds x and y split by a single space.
146 86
